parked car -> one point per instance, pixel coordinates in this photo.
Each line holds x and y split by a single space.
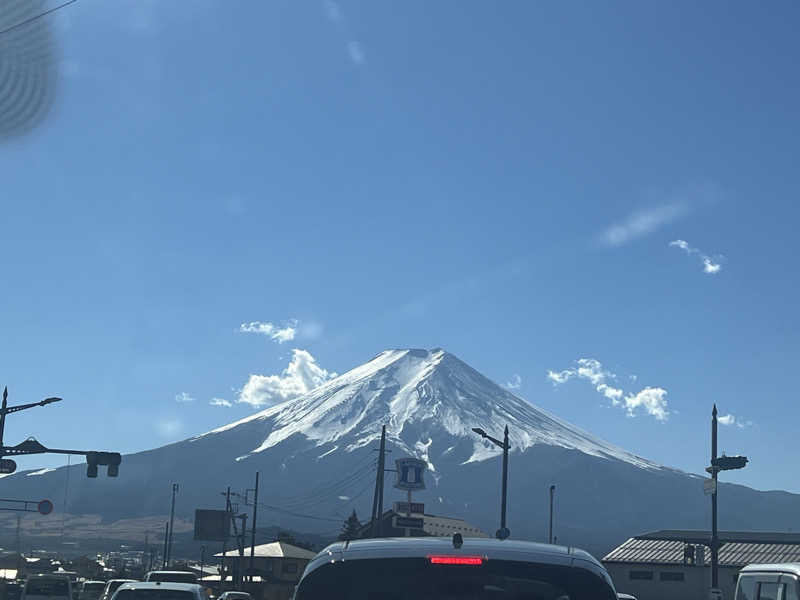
172 576
51 586
91 590
160 590
759 582
441 568
111 587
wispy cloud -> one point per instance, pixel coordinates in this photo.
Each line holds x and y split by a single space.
730 420
221 402
169 428
712 266
651 400
183 398
355 51
642 222
280 334
301 376
515 383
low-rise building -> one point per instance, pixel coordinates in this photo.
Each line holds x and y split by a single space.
278 565
431 525
670 564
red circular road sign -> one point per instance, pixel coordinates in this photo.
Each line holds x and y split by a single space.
45 507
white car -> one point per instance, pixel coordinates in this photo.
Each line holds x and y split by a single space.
47 587
235 596
438 568
171 576
158 590
780 580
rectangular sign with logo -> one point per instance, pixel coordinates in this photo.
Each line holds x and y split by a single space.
415 508
408 522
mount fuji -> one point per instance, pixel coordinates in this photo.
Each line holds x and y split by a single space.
316 456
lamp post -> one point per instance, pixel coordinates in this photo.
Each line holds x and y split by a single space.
722 463
552 494
503 532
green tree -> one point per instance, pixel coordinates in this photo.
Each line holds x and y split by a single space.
350 527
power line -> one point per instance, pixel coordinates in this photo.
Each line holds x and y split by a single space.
39 16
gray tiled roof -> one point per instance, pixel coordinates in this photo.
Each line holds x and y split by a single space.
648 549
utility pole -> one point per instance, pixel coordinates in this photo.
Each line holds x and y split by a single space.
377 501
202 561
171 522
721 463
253 530
714 532
166 541
552 494
19 544
503 527
225 542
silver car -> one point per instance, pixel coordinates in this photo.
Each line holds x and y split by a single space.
157 590
443 569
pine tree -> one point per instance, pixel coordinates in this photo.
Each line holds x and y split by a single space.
350 527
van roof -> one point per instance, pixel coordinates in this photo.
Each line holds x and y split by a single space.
160 585
793 568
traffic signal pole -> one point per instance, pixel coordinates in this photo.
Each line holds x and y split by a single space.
714 532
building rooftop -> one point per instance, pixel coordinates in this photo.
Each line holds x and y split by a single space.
737 548
274 550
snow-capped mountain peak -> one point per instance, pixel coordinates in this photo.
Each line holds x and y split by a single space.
429 401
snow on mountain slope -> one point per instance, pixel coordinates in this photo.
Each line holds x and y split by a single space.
428 399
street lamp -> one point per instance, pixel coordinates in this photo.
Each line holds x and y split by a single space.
503 532
722 463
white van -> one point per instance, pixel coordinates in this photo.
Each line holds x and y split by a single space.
48 586
769 582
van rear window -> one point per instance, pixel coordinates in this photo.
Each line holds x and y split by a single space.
46 587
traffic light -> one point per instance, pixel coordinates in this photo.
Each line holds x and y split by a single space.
109 459
728 463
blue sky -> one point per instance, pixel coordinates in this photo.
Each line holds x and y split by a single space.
500 180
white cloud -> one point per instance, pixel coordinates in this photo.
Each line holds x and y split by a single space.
650 400
733 420
279 334
221 402
356 52
183 398
515 383
301 376
710 265
169 428
643 222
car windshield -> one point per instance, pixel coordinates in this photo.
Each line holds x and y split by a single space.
154 594
417 579
47 587
93 586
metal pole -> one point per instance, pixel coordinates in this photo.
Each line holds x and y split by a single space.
505 480
202 561
3 418
714 532
552 494
379 484
253 532
225 541
171 523
166 541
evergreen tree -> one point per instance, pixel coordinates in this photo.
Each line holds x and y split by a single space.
350 527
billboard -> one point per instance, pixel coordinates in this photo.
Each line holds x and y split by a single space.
212 525
409 474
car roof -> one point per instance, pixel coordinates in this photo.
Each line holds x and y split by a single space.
516 550
159 585
793 568
172 572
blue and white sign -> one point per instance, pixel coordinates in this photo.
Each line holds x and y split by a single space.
409 474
